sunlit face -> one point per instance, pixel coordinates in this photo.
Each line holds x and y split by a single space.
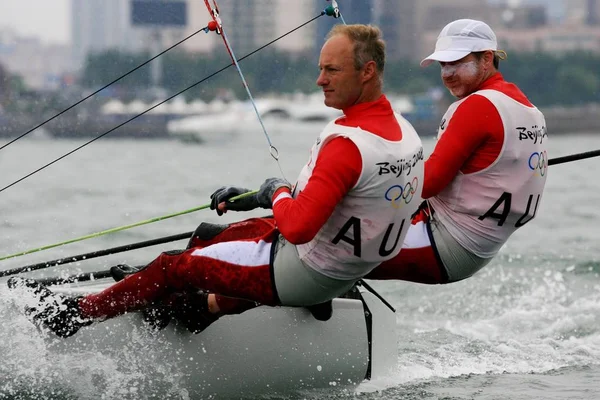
464 76
340 81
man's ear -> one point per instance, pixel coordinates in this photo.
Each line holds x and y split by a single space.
488 57
369 70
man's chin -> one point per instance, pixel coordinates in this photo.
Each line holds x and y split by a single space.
458 93
331 104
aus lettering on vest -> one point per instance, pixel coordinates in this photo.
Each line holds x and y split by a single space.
535 133
501 209
355 240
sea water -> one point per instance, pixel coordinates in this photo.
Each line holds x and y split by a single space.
525 327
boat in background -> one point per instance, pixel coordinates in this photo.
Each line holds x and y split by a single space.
298 112
279 114
288 347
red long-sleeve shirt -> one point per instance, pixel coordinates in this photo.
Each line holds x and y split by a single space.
472 140
336 171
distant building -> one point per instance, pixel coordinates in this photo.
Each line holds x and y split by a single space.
251 24
576 12
527 17
291 14
42 66
557 40
405 23
5 90
554 9
100 25
400 23
409 27
582 12
549 39
436 14
248 24
593 12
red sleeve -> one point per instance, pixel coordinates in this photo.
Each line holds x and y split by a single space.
336 171
472 141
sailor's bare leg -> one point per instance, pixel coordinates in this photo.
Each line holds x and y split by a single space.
213 306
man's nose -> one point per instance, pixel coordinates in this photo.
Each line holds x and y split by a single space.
321 79
448 71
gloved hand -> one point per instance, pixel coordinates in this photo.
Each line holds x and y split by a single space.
262 198
223 194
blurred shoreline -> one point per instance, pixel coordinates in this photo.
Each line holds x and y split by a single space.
85 125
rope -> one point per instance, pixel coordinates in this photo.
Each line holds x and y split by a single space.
102 88
164 101
216 25
119 228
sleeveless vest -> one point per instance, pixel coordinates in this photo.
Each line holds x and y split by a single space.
369 225
482 209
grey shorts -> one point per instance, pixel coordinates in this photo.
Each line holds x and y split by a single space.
459 262
299 285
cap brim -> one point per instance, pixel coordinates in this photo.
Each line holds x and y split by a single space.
445 56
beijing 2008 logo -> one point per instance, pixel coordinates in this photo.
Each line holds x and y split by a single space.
538 163
400 195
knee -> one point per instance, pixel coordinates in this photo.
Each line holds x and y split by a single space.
171 267
166 260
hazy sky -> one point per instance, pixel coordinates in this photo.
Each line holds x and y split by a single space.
47 19
50 19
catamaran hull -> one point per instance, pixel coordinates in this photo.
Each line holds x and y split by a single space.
263 350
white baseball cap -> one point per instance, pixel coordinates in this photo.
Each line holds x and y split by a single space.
460 38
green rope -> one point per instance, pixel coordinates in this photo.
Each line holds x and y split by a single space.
120 228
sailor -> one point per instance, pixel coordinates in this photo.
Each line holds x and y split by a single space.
486 176
348 211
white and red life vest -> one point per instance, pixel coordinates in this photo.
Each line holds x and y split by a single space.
482 209
369 225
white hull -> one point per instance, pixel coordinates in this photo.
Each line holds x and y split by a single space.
278 115
263 350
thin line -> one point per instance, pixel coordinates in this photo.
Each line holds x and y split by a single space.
164 101
99 90
120 228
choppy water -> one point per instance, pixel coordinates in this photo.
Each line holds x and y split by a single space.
526 327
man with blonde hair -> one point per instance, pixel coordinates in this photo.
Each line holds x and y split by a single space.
348 211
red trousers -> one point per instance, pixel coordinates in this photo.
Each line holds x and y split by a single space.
235 263
417 261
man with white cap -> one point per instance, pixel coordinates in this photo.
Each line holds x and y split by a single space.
487 173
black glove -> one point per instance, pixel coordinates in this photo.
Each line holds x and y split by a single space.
262 198
223 194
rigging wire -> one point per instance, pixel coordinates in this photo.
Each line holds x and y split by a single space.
217 26
205 29
330 11
119 228
156 105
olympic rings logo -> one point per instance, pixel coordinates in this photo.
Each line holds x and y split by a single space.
538 163
398 195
